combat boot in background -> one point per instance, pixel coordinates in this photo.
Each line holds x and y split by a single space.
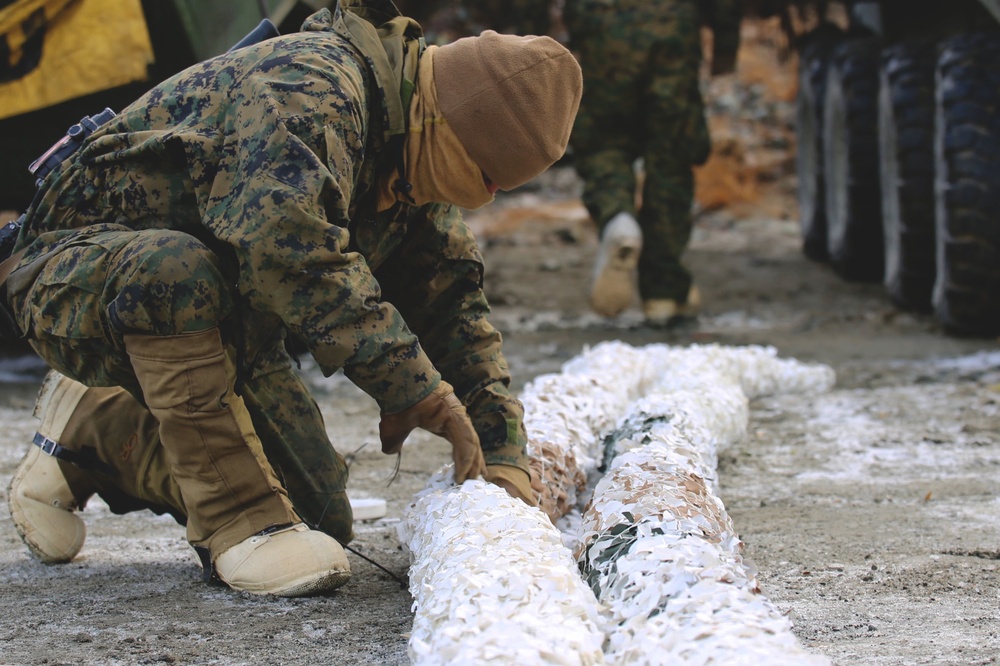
665 311
42 505
237 510
614 282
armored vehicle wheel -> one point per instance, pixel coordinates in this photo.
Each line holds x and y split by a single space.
851 163
966 293
813 65
906 153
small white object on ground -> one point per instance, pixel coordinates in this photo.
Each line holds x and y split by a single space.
368 508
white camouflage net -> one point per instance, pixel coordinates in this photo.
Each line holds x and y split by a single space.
660 550
492 581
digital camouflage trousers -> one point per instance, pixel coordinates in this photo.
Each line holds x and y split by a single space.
641 100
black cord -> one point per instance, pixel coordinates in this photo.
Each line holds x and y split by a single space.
402 583
349 458
395 469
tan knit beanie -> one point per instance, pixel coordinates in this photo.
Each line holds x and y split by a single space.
511 100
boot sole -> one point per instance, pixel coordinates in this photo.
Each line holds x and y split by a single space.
311 586
613 289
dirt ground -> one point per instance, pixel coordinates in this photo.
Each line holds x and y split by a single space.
871 512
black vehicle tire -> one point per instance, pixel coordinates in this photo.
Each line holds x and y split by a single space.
906 153
814 62
966 294
851 161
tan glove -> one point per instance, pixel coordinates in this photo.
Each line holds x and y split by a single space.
442 414
514 480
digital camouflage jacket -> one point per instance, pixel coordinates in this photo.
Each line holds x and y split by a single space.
270 155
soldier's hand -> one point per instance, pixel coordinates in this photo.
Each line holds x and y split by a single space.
514 480
444 415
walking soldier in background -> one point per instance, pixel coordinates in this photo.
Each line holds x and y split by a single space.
307 183
641 99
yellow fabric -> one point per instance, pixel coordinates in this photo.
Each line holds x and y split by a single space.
81 47
437 164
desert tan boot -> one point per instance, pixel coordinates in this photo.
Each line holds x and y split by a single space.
613 288
42 508
664 311
41 503
291 562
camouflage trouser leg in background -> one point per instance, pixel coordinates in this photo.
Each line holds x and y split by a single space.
665 218
640 61
106 281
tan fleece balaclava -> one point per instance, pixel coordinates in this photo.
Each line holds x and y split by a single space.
436 163
502 105
511 100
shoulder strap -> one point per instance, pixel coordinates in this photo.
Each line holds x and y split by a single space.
392 50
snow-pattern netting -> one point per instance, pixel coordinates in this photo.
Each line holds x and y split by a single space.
492 582
655 545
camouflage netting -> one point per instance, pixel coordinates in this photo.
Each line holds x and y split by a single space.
663 578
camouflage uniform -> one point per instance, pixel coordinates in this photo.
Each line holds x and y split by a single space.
241 193
641 98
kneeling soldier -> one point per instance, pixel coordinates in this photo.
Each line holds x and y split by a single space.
306 184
